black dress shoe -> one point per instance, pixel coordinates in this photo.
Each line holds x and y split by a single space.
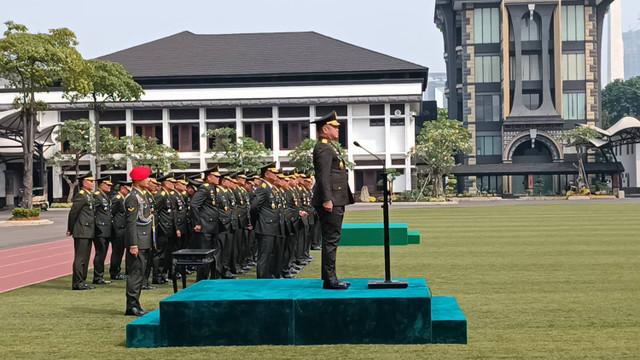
119 277
148 287
84 288
287 276
335 285
135 312
316 248
101 282
228 275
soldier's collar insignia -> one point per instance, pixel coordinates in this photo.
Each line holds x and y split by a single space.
172 192
131 209
217 189
324 141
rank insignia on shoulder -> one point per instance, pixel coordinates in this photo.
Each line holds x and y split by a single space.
324 141
81 192
264 185
118 196
217 189
206 185
172 193
96 193
163 193
131 209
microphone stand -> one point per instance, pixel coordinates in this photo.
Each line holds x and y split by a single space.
387 283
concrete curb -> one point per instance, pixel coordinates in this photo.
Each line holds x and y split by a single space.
26 223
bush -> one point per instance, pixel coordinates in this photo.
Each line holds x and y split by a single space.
61 205
20 213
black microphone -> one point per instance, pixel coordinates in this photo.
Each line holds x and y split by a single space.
370 153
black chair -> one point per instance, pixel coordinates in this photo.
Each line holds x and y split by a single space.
190 257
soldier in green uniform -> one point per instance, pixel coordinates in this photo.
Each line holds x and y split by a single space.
181 205
81 225
269 224
243 197
151 189
119 214
104 228
331 195
228 224
205 217
166 233
138 238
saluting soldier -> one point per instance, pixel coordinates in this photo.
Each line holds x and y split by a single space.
269 227
81 225
138 238
331 195
104 228
119 214
205 217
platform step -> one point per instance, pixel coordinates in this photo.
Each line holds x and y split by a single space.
413 237
372 234
448 323
145 331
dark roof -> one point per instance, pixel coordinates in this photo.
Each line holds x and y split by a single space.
187 55
536 169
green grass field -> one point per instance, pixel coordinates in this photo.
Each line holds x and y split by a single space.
535 281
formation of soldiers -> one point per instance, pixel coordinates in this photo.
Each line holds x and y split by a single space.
261 220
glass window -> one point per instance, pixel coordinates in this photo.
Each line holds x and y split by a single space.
185 137
219 125
573 66
261 132
113 115
486 25
74 115
221 113
487 69
574 106
376 122
529 29
397 122
152 114
257 113
487 107
573 23
184 114
292 133
150 130
293 111
531 101
488 143
530 67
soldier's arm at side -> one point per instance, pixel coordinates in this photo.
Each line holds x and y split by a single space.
196 203
131 207
78 203
324 157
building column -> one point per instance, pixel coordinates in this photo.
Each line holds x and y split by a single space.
204 141
409 142
129 131
352 181
276 135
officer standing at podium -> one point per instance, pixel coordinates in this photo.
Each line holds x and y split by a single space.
331 195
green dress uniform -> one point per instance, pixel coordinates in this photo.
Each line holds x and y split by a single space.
332 184
104 230
165 234
181 204
228 224
138 233
81 225
205 213
269 228
119 214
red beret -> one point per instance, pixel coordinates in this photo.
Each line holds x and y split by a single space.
140 173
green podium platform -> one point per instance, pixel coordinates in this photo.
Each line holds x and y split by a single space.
298 312
373 235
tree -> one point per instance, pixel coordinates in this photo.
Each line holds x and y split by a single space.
242 155
619 99
101 81
302 156
437 144
146 151
31 63
77 137
579 137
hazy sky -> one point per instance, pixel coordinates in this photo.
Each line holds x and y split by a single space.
400 28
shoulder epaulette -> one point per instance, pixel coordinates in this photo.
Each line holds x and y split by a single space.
96 193
172 192
217 189
81 192
118 196
324 141
163 193
206 185
264 185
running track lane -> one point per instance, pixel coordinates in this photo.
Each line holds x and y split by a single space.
28 265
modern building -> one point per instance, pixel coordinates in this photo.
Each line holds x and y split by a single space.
631 54
519 73
267 86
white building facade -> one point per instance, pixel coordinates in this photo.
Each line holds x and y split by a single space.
376 104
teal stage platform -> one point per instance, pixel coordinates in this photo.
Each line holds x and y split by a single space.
299 312
372 234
